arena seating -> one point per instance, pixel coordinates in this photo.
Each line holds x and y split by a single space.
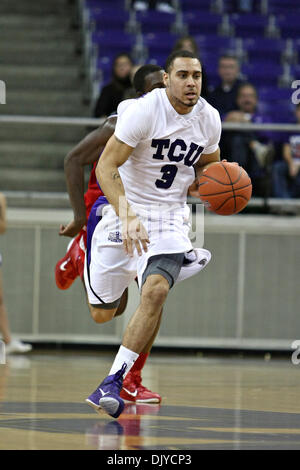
266 40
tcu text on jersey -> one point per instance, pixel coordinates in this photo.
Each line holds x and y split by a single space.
177 150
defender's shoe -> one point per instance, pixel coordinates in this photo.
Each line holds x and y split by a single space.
107 395
134 391
71 265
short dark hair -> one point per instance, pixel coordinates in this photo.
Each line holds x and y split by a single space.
179 44
229 56
245 85
181 53
141 74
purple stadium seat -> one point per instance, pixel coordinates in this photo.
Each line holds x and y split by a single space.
265 49
159 42
295 71
281 111
215 43
262 76
158 59
153 21
201 22
109 19
289 25
113 41
270 94
117 4
249 25
280 6
192 5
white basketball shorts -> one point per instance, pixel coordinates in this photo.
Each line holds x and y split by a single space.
109 269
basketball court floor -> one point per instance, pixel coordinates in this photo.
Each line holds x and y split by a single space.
213 402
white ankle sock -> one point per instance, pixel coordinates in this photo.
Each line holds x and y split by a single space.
123 355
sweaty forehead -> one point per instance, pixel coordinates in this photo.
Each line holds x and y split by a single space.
186 63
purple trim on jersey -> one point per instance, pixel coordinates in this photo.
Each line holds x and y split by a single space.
93 220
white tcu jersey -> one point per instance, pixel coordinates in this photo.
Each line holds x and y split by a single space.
166 146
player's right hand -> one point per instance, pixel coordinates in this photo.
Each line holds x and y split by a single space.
134 235
72 229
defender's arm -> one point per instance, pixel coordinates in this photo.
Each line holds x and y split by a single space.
85 153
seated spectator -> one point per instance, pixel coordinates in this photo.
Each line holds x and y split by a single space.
113 93
188 43
251 150
223 97
286 172
131 92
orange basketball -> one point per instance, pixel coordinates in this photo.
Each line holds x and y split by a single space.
225 188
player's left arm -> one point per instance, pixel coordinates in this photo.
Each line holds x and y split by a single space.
204 162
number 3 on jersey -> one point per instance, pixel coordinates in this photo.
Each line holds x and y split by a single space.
168 175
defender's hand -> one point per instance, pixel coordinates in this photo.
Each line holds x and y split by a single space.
72 229
134 235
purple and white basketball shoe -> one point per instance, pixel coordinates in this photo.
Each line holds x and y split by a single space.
107 395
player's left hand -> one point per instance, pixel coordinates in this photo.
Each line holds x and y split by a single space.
72 229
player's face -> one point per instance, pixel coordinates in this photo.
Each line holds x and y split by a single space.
184 83
154 80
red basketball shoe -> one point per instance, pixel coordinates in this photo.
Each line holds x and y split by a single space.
133 390
71 265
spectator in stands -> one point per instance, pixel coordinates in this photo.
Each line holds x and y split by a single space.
12 345
224 95
166 6
286 172
252 150
131 92
113 93
188 43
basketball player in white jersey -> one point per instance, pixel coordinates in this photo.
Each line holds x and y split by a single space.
159 142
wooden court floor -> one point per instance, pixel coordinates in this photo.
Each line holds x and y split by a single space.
208 403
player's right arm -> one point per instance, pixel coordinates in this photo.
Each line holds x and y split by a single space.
114 155
2 213
85 153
